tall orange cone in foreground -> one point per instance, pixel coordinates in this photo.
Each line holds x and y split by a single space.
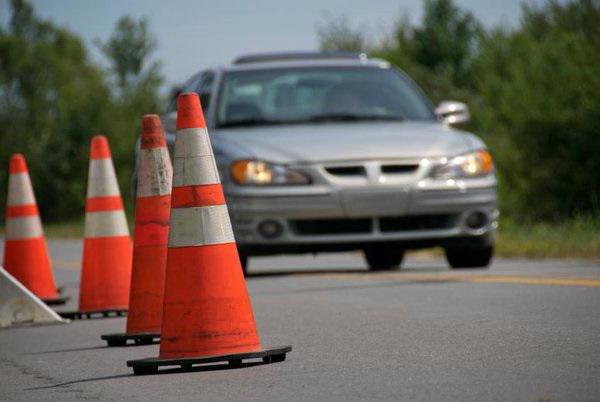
150 238
207 315
106 271
25 251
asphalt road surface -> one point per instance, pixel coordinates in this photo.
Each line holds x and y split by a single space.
522 330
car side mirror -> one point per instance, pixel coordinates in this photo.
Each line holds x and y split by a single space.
170 121
452 112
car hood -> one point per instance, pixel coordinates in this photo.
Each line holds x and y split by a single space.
344 141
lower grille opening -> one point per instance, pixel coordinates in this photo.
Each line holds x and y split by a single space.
346 171
399 169
308 227
417 222
331 226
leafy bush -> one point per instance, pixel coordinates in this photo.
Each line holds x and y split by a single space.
541 98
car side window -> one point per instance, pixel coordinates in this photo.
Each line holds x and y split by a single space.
204 89
201 83
190 85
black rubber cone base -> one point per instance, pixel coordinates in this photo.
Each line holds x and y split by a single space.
151 365
56 301
144 338
79 315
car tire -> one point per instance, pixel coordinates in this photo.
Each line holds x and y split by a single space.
383 258
469 257
244 262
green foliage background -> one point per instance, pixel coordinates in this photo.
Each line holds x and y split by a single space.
534 93
53 99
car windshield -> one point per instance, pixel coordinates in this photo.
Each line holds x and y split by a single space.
318 94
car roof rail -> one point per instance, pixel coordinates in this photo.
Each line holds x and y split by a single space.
287 56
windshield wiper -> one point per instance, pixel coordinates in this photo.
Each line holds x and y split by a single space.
252 122
354 117
312 119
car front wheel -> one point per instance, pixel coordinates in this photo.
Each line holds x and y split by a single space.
469 257
383 258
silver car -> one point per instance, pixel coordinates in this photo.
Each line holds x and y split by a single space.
336 151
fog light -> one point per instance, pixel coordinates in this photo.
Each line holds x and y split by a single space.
270 229
476 220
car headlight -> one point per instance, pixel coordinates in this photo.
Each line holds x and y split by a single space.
260 173
473 164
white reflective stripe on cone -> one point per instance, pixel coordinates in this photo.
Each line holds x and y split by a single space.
20 191
199 226
106 224
102 181
194 162
24 227
155 173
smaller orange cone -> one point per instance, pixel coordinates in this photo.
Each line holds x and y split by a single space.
106 271
25 251
150 238
207 314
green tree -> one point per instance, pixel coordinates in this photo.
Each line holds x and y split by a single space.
438 53
447 39
47 111
129 50
336 34
53 99
539 98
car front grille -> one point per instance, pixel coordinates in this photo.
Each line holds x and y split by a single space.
312 227
346 171
398 169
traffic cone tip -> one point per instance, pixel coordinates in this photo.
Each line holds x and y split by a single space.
189 111
100 148
152 132
17 164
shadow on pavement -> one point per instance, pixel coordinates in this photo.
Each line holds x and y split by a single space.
210 367
329 271
304 272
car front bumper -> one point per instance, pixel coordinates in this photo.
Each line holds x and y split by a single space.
314 218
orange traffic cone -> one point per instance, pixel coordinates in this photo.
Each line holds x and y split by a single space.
207 315
150 238
25 251
106 271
